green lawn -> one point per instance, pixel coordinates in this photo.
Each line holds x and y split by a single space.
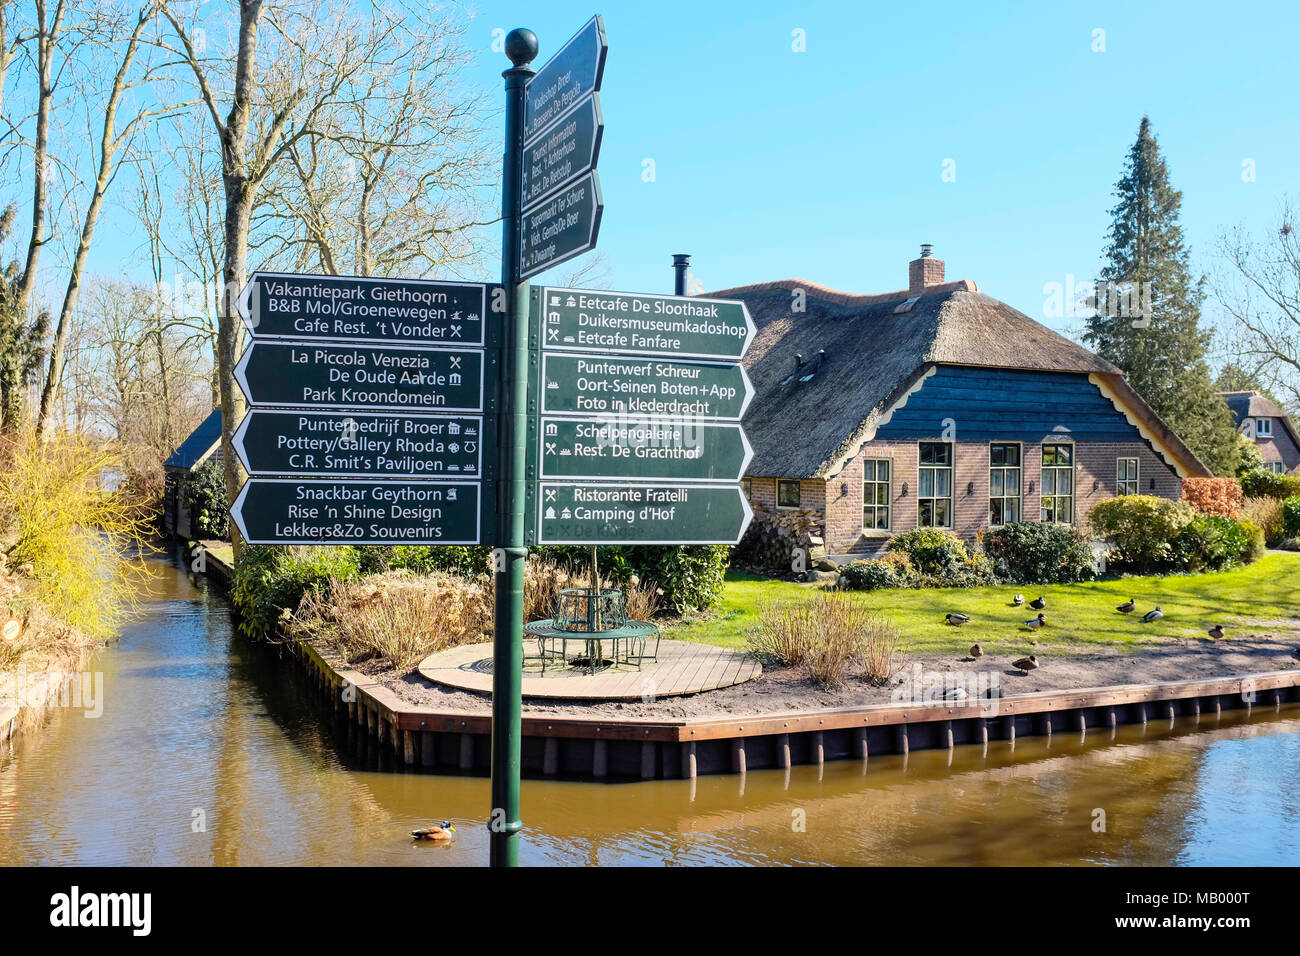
1077 614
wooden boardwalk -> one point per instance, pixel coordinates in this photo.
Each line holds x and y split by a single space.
682 668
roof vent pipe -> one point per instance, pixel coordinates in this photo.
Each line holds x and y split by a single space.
681 262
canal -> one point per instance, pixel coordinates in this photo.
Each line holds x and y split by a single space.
211 751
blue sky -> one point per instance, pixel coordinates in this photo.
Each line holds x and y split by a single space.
827 164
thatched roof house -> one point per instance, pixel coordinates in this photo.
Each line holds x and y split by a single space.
854 394
1267 424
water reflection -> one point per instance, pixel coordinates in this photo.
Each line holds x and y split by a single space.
210 751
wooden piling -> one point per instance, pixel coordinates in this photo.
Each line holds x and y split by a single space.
947 734
599 759
860 736
428 749
688 760
783 751
738 755
818 748
466 761
551 756
408 748
904 745
647 760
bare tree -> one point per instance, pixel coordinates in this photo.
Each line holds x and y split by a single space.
1260 292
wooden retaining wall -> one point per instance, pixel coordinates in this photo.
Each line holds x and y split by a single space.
597 748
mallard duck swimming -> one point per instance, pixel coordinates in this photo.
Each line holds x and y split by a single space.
1038 603
1155 615
439 834
1018 600
957 619
1034 623
1127 607
1026 664
976 651
1216 632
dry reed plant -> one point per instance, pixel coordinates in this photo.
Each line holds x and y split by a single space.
830 635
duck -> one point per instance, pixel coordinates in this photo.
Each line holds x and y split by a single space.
439 834
1154 615
1216 632
1127 607
955 693
957 619
1038 603
976 651
1026 664
1034 623
1018 600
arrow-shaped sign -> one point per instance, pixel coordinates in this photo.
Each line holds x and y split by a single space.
648 449
281 305
361 377
567 150
654 387
641 514
567 77
583 320
563 226
301 511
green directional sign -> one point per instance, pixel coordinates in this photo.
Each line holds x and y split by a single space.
591 513
612 385
650 449
303 511
563 153
574 72
323 308
559 228
362 377
686 326
335 444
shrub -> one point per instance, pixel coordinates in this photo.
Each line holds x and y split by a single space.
1267 484
1289 544
1038 553
85 545
1213 496
203 495
1215 543
1140 529
1291 517
1266 513
270 581
932 550
426 559
828 636
396 617
893 570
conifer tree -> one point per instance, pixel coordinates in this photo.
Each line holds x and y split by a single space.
1148 313
21 340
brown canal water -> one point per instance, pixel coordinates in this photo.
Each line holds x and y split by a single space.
210 751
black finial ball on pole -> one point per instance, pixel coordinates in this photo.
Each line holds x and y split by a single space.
521 46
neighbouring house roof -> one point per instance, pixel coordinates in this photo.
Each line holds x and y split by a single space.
1245 405
879 348
196 449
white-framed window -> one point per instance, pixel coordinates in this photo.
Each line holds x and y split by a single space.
934 485
1126 476
876 493
787 493
1263 427
1004 483
1057 495
1276 467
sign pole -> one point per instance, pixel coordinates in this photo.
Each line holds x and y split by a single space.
509 551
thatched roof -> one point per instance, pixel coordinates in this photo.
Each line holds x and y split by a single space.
875 354
1254 405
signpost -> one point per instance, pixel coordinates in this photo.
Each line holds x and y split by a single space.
644 448
605 513
579 320
350 308
345 444
561 227
304 511
610 385
304 375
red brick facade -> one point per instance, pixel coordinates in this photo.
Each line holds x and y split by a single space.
839 499
1279 446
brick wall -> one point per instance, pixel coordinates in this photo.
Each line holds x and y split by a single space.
1094 462
1279 446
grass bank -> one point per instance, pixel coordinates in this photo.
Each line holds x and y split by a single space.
1261 598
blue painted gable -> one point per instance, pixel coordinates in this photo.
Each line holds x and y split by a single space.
987 404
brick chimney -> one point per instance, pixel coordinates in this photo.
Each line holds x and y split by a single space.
924 271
